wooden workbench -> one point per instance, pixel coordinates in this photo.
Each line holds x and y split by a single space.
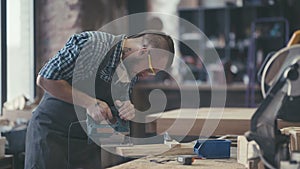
145 162
190 122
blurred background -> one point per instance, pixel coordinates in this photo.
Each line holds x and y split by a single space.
242 32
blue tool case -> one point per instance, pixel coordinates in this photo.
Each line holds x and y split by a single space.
212 149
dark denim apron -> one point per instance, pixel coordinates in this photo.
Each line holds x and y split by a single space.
47 145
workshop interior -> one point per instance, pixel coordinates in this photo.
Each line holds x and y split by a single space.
240 110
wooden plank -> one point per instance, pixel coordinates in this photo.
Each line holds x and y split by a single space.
155 149
13 115
142 150
294 133
204 113
174 86
235 121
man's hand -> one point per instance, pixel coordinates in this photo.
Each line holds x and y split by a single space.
126 109
99 111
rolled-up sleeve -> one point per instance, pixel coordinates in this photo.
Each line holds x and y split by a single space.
61 66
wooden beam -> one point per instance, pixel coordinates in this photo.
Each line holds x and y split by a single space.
205 121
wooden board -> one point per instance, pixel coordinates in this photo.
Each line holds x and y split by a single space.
13 115
205 121
294 133
142 150
155 149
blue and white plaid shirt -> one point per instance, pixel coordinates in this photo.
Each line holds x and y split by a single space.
82 55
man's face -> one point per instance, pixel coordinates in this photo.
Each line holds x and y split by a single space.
145 63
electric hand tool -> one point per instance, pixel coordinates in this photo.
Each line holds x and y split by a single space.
117 124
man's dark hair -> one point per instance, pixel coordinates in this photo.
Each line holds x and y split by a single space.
157 39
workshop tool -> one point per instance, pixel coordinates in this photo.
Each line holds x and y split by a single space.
212 148
186 159
162 161
117 124
281 75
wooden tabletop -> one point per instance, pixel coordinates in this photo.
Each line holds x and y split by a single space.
205 121
170 161
144 163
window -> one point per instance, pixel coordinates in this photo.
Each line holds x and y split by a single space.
20 49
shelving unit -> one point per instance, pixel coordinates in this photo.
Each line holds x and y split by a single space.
261 45
229 30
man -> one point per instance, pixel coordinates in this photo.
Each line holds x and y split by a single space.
83 78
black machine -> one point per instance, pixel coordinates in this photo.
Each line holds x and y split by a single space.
280 84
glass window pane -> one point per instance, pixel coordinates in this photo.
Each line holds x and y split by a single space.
20 54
